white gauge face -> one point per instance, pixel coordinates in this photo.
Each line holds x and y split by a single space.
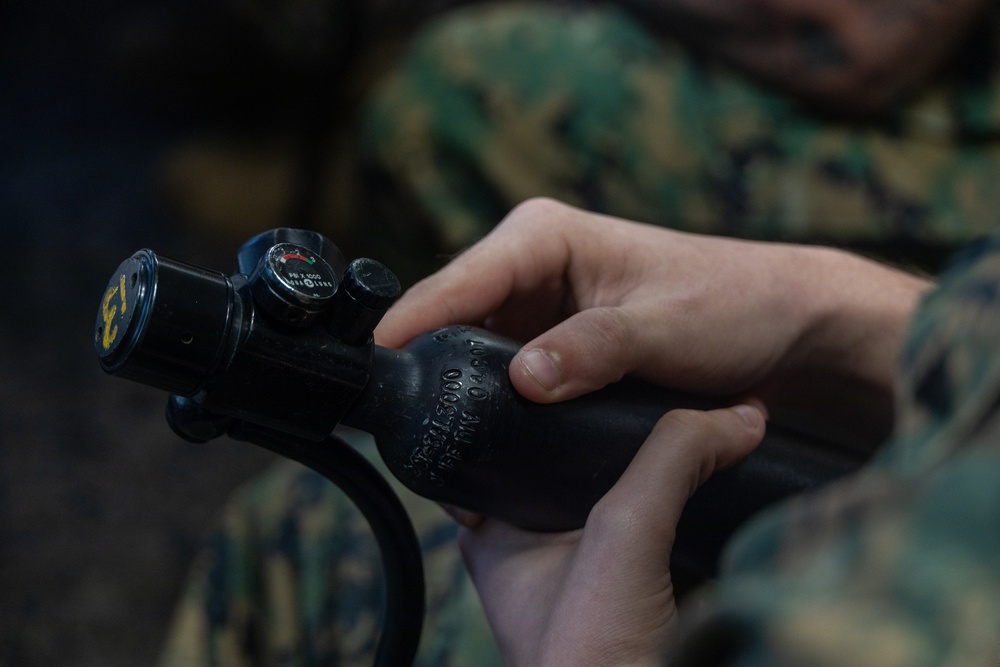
303 276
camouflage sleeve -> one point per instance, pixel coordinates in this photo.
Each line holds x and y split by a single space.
899 565
500 102
292 577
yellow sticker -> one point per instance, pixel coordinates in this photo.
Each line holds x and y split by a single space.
121 283
109 311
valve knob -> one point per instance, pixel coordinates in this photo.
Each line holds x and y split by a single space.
367 290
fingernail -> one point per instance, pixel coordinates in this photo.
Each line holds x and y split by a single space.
541 367
750 415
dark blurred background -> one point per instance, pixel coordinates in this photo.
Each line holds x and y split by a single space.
101 507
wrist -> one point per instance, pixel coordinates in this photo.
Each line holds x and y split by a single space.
853 315
857 326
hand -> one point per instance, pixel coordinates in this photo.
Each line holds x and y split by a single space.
597 298
603 595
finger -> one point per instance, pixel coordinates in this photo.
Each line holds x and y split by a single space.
642 510
589 350
527 252
497 553
513 568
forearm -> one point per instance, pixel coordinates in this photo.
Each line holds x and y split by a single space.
849 55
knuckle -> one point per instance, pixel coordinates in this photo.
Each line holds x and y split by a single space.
611 336
541 205
609 519
541 211
691 434
684 421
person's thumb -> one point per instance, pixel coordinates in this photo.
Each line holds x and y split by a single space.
587 351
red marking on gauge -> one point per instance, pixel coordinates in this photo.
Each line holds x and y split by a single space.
294 255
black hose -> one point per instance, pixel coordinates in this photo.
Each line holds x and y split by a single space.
402 563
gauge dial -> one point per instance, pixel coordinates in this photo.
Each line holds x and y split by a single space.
303 275
294 284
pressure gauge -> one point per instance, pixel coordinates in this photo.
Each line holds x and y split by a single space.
293 284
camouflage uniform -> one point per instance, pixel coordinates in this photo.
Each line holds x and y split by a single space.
900 564
499 103
292 577
897 565
494 103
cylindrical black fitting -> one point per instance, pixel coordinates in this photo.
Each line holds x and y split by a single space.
366 292
163 322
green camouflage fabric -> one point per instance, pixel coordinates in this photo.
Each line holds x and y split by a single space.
497 103
900 564
896 565
494 104
291 577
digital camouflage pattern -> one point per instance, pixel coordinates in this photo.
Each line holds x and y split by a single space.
292 578
900 564
502 102
495 104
